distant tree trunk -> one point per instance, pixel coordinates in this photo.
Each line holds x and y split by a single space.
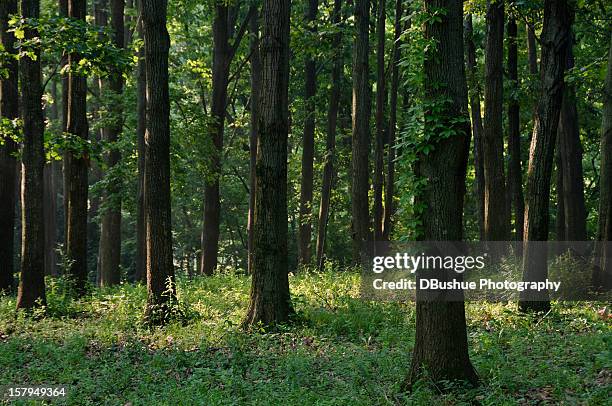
532 50
381 100
360 180
441 348
110 231
496 220
556 35
50 199
254 104
77 165
570 150
515 171
32 282
477 129
270 301
140 271
390 180
63 12
560 219
310 89
9 109
158 219
330 140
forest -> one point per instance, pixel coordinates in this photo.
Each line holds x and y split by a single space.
193 193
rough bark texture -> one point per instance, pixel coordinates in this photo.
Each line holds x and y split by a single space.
77 164
110 231
9 110
381 99
360 181
496 219
477 129
31 291
555 39
441 349
330 140
310 88
270 301
515 171
140 266
158 220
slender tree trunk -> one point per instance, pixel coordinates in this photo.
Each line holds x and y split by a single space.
560 219
477 129
360 181
31 291
381 99
556 35
270 301
515 171
390 180
110 231
496 219
441 348
330 140
532 50
140 271
9 110
158 219
50 200
253 137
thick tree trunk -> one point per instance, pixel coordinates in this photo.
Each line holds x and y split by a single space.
381 100
496 219
310 89
555 39
515 171
360 180
110 231
330 140
477 129
270 301
77 165
158 219
441 348
140 270
9 110
31 291
532 50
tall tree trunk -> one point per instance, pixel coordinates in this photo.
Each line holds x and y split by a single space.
515 171
532 50
158 218
110 231
381 99
477 129
390 180
560 219
9 110
253 137
496 220
310 89
50 199
77 165
31 291
330 140
556 35
441 348
360 181
570 150
270 301
140 271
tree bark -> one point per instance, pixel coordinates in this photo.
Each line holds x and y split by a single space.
9 110
31 291
270 301
496 219
379 172
532 50
253 136
515 171
330 140
157 207
50 199
441 348
360 181
140 270
555 38
110 230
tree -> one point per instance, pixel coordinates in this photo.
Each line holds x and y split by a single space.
310 88
31 291
140 271
496 219
532 50
270 301
157 210
381 100
441 349
76 163
110 231
360 183
9 110
555 38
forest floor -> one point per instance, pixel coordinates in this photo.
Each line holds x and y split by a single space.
343 352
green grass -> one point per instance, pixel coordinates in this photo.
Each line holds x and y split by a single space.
343 352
